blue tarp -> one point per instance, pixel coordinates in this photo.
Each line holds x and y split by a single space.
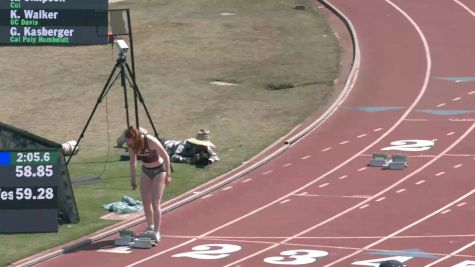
126 205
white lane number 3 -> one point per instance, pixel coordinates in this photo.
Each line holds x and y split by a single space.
297 257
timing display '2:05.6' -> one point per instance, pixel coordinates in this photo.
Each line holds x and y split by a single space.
39 171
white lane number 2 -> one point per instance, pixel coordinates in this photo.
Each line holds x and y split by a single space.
410 145
210 252
297 257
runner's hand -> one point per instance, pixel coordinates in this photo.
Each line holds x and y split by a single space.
168 179
133 184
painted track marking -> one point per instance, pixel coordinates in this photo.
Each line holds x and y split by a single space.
323 185
451 254
441 105
456 99
471 93
362 169
246 181
420 182
380 199
326 149
400 191
465 7
227 188
402 229
449 134
344 142
462 204
207 196
439 174
361 135
343 177
364 206
267 172
306 157
458 166
377 130
285 201
287 165
446 211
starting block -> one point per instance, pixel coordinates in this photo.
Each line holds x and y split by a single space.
398 162
143 243
129 238
126 237
378 160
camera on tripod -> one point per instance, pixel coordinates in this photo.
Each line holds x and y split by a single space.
122 45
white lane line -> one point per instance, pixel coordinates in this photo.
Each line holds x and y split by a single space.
267 172
247 180
449 134
364 206
362 169
326 149
227 188
344 142
287 165
306 157
465 7
456 99
380 199
207 196
451 254
377 130
402 229
323 185
333 196
446 211
416 120
285 201
343 177
441 105
361 135
303 194
400 191
471 93
458 166
195 193
420 182
440 174
462 204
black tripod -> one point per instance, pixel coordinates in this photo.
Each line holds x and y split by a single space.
126 75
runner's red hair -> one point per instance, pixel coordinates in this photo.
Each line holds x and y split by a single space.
133 133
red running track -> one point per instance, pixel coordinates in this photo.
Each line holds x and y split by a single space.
317 204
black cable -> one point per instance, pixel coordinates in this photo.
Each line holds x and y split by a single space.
108 138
